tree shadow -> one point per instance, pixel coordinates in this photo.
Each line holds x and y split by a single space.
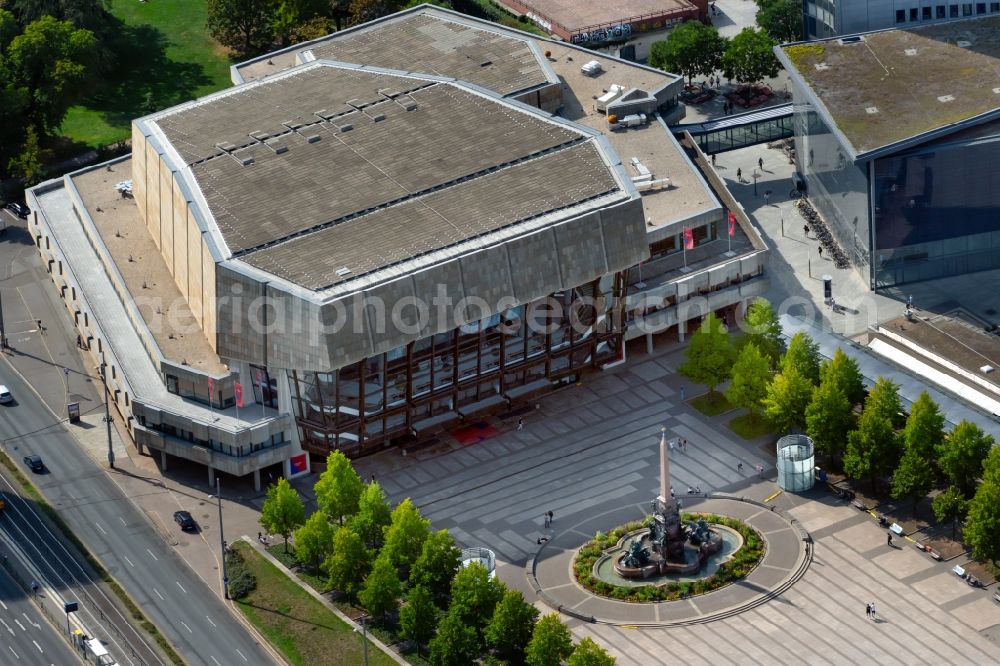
139 77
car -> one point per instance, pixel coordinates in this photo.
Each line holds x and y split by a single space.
35 464
19 209
5 396
184 519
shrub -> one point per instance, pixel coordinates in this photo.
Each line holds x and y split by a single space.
241 580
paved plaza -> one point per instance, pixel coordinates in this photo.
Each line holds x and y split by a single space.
593 447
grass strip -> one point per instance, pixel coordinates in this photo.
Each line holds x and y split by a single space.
304 630
137 615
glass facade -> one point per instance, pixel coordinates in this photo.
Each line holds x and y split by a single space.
836 187
937 212
741 136
363 406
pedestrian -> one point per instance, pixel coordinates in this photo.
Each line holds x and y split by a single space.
682 393
713 159
868 611
739 465
671 492
551 516
34 588
767 195
805 229
739 175
888 540
260 537
671 445
820 250
520 423
373 477
873 610
545 519
684 444
760 163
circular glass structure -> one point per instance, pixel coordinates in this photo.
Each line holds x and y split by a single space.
796 462
482 556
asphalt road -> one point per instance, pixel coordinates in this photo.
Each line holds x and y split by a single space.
191 616
25 636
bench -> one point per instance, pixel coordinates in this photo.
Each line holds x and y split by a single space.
996 596
896 529
859 505
958 571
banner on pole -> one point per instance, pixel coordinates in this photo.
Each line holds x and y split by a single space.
688 238
239 394
732 224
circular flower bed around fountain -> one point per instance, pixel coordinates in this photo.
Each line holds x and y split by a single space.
739 564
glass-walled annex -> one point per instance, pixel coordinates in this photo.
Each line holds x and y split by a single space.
937 212
475 368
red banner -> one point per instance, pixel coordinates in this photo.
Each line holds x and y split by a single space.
211 389
732 224
239 394
688 238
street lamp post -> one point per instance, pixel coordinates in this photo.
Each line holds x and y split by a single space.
107 409
222 537
3 330
364 636
755 182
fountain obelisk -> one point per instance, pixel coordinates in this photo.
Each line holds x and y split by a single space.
667 518
666 501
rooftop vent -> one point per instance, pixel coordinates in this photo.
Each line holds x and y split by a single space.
821 66
292 124
378 117
853 39
259 136
962 44
343 270
946 98
225 146
346 127
246 161
910 52
312 138
871 110
278 148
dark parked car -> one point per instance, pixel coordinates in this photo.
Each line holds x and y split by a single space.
184 519
19 209
35 464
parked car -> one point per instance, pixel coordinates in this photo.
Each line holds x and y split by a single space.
35 464
19 209
184 519
5 396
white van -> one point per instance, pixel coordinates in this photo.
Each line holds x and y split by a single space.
5 395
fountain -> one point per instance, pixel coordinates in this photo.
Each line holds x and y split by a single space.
670 546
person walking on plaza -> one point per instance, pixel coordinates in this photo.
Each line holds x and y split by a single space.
739 465
760 163
545 519
889 539
873 610
868 611
767 195
739 175
520 423
551 516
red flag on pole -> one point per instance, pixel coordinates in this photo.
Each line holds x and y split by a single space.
239 394
732 224
688 238
211 388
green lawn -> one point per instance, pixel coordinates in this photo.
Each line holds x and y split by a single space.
749 427
161 55
711 404
305 631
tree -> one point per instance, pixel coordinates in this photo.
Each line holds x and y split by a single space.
829 417
691 49
924 429
842 371
950 505
788 396
50 61
456 643
764 330
290 14
803 355
404 539
347 565
363 11
338 488
751 375
314 540
509 630
475 595
982 527
436 567
883 399
589 653
89 14
245 26
28 165
709 354
283 510
550 644
418 617
382 588
913 477
781 19
373 516
749 57
873 448
962 454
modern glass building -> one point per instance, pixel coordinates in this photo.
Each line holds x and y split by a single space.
897 134
829 18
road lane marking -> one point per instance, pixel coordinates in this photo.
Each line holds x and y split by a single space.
4 605
19 657
213 659
101 528
162 598
242 655
7 626
18 623
186 627
181 586
151 555
209 620
28 620
124 524
38 646
129 561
